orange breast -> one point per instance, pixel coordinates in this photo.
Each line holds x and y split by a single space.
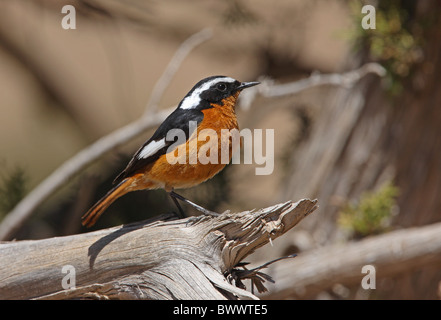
204 144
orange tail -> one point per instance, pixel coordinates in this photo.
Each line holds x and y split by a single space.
91 216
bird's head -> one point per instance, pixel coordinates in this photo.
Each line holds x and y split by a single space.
211 90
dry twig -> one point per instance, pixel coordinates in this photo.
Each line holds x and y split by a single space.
269 89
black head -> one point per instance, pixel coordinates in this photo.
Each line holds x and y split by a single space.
212 90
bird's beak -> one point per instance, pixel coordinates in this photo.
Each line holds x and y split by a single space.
244 85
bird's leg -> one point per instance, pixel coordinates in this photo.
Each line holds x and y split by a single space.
176 196
181 214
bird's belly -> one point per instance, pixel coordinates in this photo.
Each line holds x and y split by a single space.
191 163
206 152
168 176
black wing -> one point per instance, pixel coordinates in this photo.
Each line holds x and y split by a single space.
178 119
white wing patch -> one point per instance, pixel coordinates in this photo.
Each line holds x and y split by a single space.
151 148
193 100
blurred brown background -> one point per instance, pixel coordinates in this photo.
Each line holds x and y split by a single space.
61 90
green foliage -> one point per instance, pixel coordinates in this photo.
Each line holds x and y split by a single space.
12 189
392 43
372 213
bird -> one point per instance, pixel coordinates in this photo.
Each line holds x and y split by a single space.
210 106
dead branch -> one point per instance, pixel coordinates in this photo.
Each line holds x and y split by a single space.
162 258
269 89
392 253
167 76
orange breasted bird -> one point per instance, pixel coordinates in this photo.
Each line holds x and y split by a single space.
210 104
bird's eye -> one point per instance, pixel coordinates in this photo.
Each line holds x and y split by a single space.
221 87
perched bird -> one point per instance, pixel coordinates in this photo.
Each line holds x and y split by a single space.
208 107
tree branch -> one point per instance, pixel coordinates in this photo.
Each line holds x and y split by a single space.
184 49
157 259
269 89
392 253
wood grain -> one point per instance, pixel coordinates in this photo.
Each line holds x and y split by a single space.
163 258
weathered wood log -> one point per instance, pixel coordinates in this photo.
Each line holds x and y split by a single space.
394 253
162 258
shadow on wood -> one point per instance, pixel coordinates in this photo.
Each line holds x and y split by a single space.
162 258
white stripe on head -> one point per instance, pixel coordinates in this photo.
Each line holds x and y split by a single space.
193 100
151 148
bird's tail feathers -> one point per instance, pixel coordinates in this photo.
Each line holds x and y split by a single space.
91 216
